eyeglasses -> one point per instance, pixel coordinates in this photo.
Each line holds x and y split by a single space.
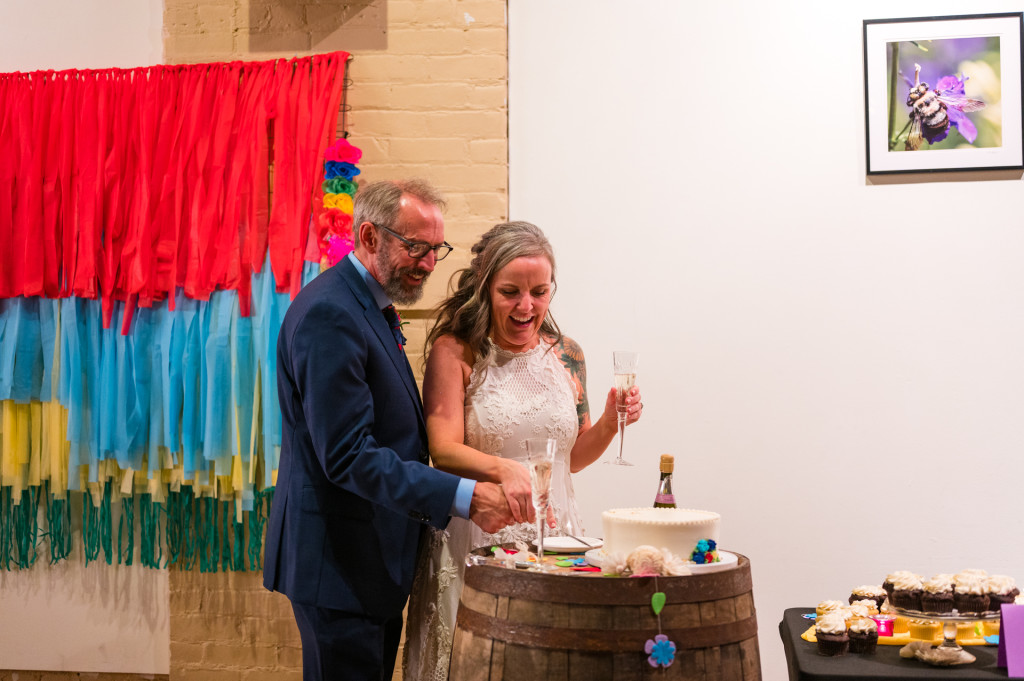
419 249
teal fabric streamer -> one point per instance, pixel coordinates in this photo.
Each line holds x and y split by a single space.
106 525
6 528
26 528
90 529
126 525
257 521
58 520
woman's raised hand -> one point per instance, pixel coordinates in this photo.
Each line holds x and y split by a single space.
634 405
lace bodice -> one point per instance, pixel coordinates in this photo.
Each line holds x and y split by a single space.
512 397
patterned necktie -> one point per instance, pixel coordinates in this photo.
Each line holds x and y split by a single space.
391 314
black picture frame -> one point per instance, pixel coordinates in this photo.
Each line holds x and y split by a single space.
963 60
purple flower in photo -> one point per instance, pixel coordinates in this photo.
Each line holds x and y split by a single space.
951 86
934 110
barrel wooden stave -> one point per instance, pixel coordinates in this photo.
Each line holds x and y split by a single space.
525 626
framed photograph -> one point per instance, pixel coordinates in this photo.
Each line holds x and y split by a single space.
943 93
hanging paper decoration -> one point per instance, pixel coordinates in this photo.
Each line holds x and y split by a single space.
661 652
334 226
139 309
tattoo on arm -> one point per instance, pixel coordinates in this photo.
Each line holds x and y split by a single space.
572 359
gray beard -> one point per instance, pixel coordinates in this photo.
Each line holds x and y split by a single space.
393 285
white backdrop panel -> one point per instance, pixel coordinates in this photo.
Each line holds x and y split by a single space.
837 366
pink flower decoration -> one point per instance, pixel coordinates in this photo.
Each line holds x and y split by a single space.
338 247
343 152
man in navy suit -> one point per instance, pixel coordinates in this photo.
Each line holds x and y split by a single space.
354 489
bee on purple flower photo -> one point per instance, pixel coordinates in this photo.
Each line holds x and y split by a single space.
932 111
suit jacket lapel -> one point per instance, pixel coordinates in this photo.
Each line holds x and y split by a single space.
375 320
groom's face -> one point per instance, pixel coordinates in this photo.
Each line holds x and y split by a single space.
401 275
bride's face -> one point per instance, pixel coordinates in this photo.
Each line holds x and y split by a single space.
520 295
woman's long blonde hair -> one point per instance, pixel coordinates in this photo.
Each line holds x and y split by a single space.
466 313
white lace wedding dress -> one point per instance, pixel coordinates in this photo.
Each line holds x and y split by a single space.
510 397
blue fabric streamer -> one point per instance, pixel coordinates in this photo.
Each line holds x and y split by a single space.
184 379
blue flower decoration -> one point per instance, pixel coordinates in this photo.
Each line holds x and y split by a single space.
661 652
703 546
334 169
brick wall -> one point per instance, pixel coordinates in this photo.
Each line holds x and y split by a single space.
428 99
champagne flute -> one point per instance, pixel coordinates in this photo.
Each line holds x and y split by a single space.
541 451
625 378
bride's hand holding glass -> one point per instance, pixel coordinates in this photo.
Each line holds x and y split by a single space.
633 402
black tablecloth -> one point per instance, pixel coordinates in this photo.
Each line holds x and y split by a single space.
805 664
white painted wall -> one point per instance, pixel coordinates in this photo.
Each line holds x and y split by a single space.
837 364
70 617
80 34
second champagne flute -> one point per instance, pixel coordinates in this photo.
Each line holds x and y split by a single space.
541 451
625 363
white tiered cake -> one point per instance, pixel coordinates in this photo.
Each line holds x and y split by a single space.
677 529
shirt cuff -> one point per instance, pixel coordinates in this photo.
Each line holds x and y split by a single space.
463 497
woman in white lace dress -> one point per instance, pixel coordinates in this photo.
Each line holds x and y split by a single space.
499 371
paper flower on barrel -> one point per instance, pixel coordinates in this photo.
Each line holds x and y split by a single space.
706 551
661 652
334 225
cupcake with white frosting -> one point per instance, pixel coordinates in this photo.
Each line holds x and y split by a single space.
970 595
830 632
937 595
874 592
906 591
826 607
863 633
1001 589
891 578
869 605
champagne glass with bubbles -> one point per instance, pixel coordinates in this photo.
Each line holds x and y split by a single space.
625 378
541 451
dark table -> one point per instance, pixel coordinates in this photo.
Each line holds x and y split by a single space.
805 664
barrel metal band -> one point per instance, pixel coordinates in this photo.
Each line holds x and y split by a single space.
600 640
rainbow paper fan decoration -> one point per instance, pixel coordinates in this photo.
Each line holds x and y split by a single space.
334 225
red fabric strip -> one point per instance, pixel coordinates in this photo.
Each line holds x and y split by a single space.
126 185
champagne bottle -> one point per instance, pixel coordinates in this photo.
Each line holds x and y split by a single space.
665 498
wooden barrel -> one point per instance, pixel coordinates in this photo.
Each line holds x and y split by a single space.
519 625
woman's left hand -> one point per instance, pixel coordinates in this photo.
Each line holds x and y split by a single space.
634 405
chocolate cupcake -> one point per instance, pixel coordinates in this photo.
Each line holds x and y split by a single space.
1001 589
969 596
906 592
937 595
875 593
830 632
863 635
887 585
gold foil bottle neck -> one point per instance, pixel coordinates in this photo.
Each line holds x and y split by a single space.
667 463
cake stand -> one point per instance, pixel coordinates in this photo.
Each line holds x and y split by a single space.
948 621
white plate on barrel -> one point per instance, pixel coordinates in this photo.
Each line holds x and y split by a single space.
596 557
570 545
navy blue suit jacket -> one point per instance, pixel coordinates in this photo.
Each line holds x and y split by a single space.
353 488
